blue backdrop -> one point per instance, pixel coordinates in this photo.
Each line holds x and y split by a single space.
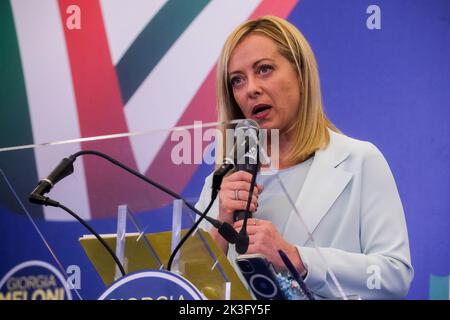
392 87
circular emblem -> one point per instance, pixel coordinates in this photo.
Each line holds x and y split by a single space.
152 285
34 280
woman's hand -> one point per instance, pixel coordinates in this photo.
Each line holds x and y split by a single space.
265 239
236 184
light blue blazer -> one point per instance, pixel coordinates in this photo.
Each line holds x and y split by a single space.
350 204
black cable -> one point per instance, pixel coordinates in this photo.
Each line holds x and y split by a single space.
225 229
132 171
218 176
87 226
186 236
214 222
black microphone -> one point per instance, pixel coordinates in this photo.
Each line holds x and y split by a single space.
247 159
247 156
64 168
228 163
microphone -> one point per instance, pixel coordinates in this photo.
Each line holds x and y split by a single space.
228 162
247 159
218 175
64 168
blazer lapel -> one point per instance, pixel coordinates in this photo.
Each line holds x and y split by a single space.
323 185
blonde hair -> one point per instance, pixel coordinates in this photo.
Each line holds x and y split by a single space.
311 131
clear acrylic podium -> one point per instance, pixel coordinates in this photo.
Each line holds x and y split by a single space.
97 191
199 261
147 222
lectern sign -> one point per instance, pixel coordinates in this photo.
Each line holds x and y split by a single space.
34 280
152 285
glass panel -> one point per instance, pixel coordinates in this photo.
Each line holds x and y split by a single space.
179 159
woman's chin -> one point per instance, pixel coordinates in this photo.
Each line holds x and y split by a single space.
268 125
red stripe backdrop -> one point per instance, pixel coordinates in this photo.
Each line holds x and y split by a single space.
100 112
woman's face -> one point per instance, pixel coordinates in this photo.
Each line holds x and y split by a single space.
265 84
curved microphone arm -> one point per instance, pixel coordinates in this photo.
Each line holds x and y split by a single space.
224 228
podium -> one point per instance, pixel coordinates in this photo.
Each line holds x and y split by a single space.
97 192
199 269
200 260
46 235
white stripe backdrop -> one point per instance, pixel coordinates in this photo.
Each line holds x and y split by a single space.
124 21
50 96
166 92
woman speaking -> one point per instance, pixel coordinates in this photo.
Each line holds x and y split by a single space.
343 187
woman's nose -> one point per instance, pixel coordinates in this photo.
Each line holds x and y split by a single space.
253 88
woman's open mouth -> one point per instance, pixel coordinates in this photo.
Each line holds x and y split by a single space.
261 111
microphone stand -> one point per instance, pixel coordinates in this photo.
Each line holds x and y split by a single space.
218 176
65 168
223 227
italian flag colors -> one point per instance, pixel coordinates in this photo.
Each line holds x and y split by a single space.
130 67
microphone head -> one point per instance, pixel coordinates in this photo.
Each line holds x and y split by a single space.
246 153
228 232
242 242
64 169
244 125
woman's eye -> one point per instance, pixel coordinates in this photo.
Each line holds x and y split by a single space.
265 68
235 81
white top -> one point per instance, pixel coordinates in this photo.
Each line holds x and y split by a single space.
273 204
